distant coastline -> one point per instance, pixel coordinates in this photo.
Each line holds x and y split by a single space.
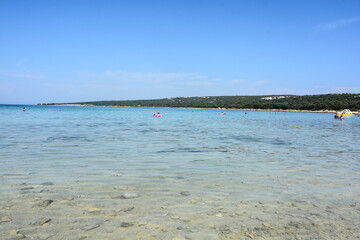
222 109
324 103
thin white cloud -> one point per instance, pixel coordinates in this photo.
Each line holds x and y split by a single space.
28 76
22 62
160 77
234 81
337 89
217 79
87 74
196 76
109 73
338 23
23 75
141 77
198 83
261 82
60 85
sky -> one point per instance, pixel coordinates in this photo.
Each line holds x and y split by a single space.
74 50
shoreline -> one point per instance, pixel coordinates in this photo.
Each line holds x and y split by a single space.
223 109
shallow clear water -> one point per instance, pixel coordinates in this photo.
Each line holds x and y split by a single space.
252 157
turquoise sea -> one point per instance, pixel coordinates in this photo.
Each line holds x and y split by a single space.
120 173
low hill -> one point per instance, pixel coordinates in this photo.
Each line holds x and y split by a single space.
283 102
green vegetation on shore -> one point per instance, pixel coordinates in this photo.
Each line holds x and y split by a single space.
283 102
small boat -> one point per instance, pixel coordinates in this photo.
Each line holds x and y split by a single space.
346 113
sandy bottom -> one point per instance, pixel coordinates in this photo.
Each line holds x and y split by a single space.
108 211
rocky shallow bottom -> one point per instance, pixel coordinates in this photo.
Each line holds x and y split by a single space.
107 211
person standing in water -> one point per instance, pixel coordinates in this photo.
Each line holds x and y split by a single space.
24 109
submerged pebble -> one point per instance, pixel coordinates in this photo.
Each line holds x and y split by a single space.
224 229
110 214
13 232
47 184
128 209
265 224
178 238
128 195
45 203
94 210
185 193
202 236
16 235
126 224
41 221
90 227
250 235
142 223
6 219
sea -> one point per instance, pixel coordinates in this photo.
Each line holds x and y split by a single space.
76 172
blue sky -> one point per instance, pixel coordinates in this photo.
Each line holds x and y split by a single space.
69 51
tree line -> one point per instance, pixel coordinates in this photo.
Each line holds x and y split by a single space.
283 102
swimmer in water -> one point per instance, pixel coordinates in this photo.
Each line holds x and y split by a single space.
157 115
342 117
24 109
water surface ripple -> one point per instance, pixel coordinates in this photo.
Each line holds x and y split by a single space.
112 173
